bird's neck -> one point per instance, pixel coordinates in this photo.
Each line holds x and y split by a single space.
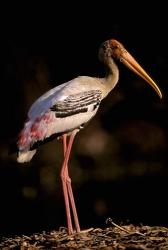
112 75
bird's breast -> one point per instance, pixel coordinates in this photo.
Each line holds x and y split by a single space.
76 121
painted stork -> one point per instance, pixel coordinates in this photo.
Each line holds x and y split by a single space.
65 109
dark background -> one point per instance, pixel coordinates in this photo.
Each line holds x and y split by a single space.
119 161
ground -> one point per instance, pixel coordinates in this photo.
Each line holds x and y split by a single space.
122 237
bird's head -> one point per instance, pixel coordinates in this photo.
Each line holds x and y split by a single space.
113 48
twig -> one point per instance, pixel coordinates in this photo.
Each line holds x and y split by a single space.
122 228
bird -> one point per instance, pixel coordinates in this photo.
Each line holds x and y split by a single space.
65 109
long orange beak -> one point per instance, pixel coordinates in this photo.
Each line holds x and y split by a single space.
119 52
132 64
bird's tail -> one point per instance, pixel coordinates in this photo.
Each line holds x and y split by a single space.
25 156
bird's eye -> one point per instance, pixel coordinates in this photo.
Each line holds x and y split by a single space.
115 47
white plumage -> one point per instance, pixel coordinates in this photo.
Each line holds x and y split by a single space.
59 93
43 122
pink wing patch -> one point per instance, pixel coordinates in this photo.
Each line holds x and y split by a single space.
36 130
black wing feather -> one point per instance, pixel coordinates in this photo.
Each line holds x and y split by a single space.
77 103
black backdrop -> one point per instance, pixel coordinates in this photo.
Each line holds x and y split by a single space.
119 161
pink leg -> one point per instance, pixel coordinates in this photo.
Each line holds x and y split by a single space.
68 182
65 192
